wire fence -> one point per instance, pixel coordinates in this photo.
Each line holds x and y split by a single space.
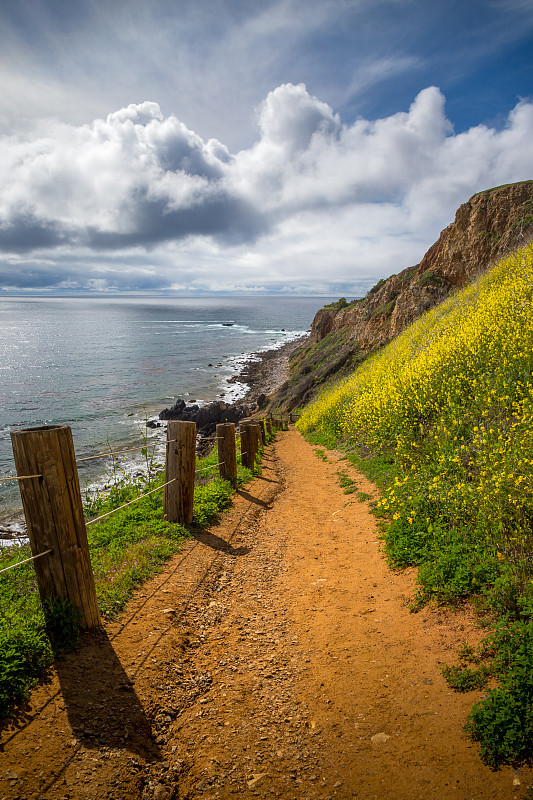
119 452
145 494
20 478
157 488
135 500
114 453
25 561
212 466
145 446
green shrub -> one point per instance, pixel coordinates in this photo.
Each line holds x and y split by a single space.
25 653
463 679
62 623
503 725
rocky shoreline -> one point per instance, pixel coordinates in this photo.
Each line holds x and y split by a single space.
263 373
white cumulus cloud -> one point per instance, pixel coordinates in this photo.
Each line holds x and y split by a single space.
141 197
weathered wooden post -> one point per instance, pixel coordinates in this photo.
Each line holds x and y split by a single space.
252 441
256 439
226 451
180 469
246 447
54 517
262 428
291 420
269 426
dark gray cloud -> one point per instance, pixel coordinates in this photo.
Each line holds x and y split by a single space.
229 219
24 233
78 276
28 277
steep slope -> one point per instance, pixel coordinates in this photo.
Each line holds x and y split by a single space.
490 224
443 416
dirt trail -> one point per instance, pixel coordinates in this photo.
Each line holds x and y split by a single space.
274 658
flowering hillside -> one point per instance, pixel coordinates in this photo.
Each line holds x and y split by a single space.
444 417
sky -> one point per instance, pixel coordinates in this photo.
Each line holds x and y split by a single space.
292 146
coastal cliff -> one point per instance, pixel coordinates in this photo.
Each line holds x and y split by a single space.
490 224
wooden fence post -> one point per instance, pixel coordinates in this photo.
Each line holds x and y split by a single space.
262 428
269 427
256 439
54 517
246 450
180 468
226 451
252 444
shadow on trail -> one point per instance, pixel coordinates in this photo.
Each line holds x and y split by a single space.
100 701
255 500
22 714
267 480
217 543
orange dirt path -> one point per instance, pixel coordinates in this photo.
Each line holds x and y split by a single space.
275 657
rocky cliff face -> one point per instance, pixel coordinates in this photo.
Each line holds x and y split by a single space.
490 224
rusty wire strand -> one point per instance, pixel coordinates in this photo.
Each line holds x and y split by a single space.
20 478
140 497
118 452
204 469
25 561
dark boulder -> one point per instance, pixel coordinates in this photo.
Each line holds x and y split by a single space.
207 417
262 401
177 409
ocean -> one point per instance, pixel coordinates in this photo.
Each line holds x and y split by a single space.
105 365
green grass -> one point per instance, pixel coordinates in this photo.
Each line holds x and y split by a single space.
126 549
442 420
462 678
363 497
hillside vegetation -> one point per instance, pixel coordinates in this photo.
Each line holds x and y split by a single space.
486 228
442 418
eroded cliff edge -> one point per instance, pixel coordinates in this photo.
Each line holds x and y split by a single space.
489 225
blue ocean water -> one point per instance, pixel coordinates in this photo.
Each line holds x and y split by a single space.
104 364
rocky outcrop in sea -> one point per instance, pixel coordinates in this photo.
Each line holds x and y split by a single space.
209 416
